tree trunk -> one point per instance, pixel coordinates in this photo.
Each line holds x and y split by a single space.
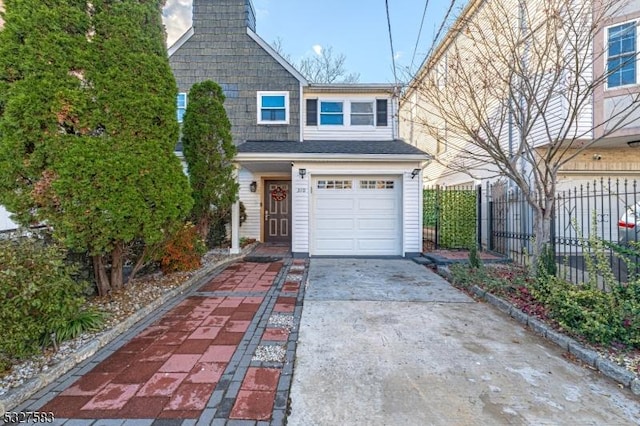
102 280
117 255
542 233
202 227
139 264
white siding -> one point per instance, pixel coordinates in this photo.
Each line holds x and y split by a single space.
251 200
300 210
347 132
412 213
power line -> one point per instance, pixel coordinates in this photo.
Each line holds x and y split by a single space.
393 55
444 21
415 49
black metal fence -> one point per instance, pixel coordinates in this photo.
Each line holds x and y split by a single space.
602 208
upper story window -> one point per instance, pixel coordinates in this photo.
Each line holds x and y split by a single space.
362 113
182 106
621 55
343 113
331 113
273 107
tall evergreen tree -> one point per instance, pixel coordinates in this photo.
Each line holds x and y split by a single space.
209 151
88 127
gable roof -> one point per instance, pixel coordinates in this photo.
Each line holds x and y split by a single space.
359 148
271 51
182 40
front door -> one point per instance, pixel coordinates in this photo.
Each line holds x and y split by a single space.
277 211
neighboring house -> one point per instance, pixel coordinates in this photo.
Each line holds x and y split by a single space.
611 56
320 167
617 156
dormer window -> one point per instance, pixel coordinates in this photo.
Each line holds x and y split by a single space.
331 113
273 107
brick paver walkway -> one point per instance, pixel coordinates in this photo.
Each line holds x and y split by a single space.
223 352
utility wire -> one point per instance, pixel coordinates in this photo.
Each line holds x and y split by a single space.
444 21
415 49
393 55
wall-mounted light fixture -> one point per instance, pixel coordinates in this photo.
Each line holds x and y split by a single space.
634 144
302 173
253 186
415 173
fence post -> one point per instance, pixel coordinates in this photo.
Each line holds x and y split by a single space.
479 216
436 236
552 233
490 246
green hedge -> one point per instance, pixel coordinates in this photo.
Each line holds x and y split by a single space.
453 211
38 293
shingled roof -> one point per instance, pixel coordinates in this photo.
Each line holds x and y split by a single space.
393 147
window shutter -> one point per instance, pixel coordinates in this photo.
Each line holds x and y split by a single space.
381 113
312 112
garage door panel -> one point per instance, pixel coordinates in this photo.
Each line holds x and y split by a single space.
377 224
377 205
335 204
326 226
364 219
336 244
379 245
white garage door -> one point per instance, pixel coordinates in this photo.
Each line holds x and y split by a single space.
358 216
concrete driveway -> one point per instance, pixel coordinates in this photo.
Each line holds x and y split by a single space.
387 342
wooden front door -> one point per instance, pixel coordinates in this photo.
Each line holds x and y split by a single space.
277 211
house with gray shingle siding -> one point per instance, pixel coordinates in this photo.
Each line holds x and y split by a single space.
320 166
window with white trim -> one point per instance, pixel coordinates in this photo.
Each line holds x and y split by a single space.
362 113
273 107
622 55
377 184
331 113
334 184
181 103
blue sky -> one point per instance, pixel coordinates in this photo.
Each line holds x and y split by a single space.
356 28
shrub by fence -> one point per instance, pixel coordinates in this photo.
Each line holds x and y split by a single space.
449 215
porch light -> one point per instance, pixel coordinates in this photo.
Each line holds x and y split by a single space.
415 173
302 173
253 186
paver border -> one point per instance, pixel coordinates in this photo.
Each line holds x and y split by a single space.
609 369
17 396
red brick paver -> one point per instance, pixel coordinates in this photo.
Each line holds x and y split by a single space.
172 367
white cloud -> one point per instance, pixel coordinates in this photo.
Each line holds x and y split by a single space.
318 49
177 18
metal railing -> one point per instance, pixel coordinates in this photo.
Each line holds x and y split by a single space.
598 209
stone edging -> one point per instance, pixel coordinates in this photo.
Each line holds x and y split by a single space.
588 356
16 396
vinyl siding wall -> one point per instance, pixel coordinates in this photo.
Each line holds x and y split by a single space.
345 132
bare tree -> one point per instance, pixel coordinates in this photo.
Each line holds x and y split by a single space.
511 95
323 67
